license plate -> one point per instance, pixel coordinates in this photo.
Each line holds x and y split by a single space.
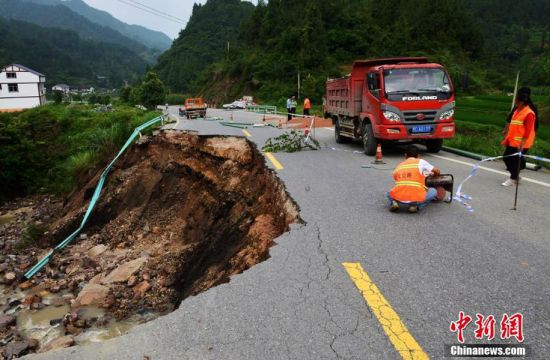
421 129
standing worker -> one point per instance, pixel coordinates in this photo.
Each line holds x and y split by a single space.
289 109
307 106
410 182
293 105
520 135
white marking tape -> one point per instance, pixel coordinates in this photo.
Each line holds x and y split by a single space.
490 170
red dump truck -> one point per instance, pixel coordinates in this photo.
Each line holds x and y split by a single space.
397 99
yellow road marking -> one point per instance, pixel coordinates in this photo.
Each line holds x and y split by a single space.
398 334
247 133
274 161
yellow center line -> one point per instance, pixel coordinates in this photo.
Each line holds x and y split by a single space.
247 133
394 328
274 161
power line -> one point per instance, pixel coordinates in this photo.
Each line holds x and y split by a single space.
151 12
157 11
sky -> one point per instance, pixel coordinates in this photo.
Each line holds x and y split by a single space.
121 9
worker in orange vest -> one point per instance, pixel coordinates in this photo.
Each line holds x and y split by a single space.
410 182
307 106
520 136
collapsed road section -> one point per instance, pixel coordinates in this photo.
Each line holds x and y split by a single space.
180 214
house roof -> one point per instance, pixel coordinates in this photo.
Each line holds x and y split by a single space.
24 68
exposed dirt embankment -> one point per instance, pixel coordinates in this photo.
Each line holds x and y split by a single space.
179 214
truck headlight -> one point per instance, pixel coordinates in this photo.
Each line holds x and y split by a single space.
391 116
446 115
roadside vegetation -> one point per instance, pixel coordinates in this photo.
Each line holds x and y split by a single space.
480 120
47 149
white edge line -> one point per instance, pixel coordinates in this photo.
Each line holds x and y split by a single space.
490 170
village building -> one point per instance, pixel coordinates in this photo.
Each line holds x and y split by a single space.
21 88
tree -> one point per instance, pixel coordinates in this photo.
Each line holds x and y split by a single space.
125 93
152 91
57 96
92 99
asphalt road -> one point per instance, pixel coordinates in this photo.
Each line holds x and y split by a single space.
423 268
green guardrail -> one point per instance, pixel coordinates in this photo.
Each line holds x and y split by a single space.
137 132
262 109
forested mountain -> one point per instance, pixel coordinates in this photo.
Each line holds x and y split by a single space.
150 38
66 58
62 17
204 41
489 40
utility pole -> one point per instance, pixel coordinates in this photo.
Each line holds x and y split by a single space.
298 85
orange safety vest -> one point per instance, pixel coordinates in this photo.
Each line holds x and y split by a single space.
516 130
307 104
409 182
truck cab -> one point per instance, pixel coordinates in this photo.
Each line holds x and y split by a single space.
397 99
193 107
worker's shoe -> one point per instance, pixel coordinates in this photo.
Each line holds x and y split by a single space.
509 182
394 206
413 209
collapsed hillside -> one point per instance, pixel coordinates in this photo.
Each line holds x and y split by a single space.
180 214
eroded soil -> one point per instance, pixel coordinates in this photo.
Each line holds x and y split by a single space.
179 214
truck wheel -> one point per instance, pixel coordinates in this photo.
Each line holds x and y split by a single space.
434 146
369 142
337 137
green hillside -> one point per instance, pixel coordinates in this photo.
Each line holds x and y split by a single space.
203 42
150 38
62 17
321 39
64 57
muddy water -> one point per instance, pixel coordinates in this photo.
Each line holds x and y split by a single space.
6 218
37 324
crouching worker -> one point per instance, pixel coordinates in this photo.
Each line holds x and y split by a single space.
410 182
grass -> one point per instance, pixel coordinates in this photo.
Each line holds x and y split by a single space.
480 120
47 149
31 235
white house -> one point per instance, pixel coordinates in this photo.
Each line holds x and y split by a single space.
64 88
21 88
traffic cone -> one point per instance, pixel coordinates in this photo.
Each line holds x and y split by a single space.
378 159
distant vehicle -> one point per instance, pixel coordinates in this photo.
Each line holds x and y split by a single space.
396 99
239 104
193 108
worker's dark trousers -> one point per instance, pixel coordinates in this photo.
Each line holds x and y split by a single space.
289 114
512 161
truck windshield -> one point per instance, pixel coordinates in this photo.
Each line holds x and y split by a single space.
416 81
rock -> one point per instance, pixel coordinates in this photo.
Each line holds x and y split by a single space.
31 299
141 289
44 293
92 294
73 330
54 322
10 277
6 321
37 306
17 348
156 230
97 250
3 267
132 280
123 272
59 343
25 285
146 276
55 288
57 301
83 236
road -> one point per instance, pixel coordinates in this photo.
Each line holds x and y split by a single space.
417 271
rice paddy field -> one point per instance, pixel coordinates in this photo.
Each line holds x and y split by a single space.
480 120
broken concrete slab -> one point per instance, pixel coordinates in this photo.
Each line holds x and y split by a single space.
92 294
124 271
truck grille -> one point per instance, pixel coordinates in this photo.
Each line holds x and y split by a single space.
411 116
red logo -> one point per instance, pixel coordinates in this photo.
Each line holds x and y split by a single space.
510 326
420 116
